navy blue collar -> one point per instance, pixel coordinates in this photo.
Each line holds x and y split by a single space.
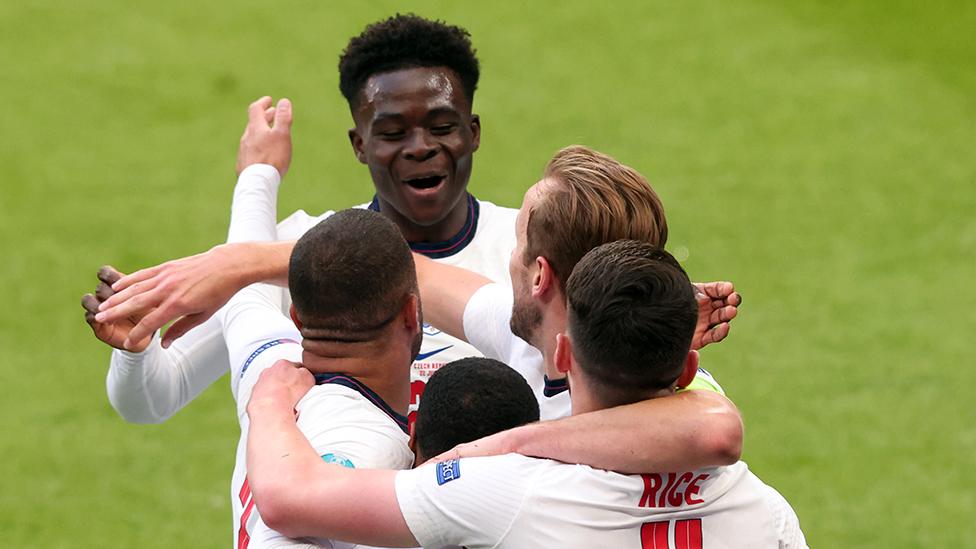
359 387
453 245
554 386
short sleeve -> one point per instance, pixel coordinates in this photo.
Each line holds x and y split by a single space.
486 321
470 502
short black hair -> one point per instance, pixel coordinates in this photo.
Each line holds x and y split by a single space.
468 399
632 314
404 42
350 275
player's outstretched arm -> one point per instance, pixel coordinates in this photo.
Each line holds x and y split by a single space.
687 431
444 292
148 385
191 289
300 495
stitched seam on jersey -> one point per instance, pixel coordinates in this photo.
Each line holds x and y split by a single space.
518 511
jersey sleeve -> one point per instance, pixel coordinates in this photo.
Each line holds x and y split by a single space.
257 335
469 502
486 321
254 208
151 386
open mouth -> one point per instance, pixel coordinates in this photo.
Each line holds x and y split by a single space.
428 182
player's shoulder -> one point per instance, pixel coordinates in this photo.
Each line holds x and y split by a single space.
496 215
296 224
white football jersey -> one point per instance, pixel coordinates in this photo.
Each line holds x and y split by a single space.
515 501
346 422
483 245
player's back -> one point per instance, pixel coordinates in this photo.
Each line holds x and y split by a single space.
514 501
709 508
347 424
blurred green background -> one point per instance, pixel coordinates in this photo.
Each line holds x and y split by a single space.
819 154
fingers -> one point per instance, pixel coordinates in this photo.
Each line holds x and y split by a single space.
284 364
147 325
734 299
283 115
716 290
90 303
718 333
109 275
134 300
103 291
723 314
138 276
180 327
269 115
255 111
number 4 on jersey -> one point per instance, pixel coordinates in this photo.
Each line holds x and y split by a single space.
687 534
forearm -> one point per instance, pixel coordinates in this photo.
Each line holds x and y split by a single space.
683 432
253 262
150 387
445 291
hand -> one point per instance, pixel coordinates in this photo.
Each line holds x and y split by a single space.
115 332
717 305
497 444
267 136
189 289
281 386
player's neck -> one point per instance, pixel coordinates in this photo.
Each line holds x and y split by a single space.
553 323
385 370
442 231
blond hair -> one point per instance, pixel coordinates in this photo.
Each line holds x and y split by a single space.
592 200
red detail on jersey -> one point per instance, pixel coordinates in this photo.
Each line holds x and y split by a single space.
675 497
693 489
245 492
678 491
243 537
416 391
688 534
654 535
652 483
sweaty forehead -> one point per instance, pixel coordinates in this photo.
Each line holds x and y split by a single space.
422 87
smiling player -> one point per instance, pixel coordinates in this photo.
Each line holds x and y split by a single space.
410 83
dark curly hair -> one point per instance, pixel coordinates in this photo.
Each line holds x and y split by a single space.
468 399
407 41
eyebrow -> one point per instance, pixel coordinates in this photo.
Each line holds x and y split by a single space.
435 112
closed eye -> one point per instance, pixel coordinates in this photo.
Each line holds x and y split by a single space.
443 129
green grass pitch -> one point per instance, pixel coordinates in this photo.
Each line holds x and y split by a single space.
819 154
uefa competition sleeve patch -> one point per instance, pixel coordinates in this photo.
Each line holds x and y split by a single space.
338 460
447 471
261 349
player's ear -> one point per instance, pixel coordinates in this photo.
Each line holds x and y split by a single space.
294 316
563 358
690 371
412 443
543 279
357 142
475 132
411 314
